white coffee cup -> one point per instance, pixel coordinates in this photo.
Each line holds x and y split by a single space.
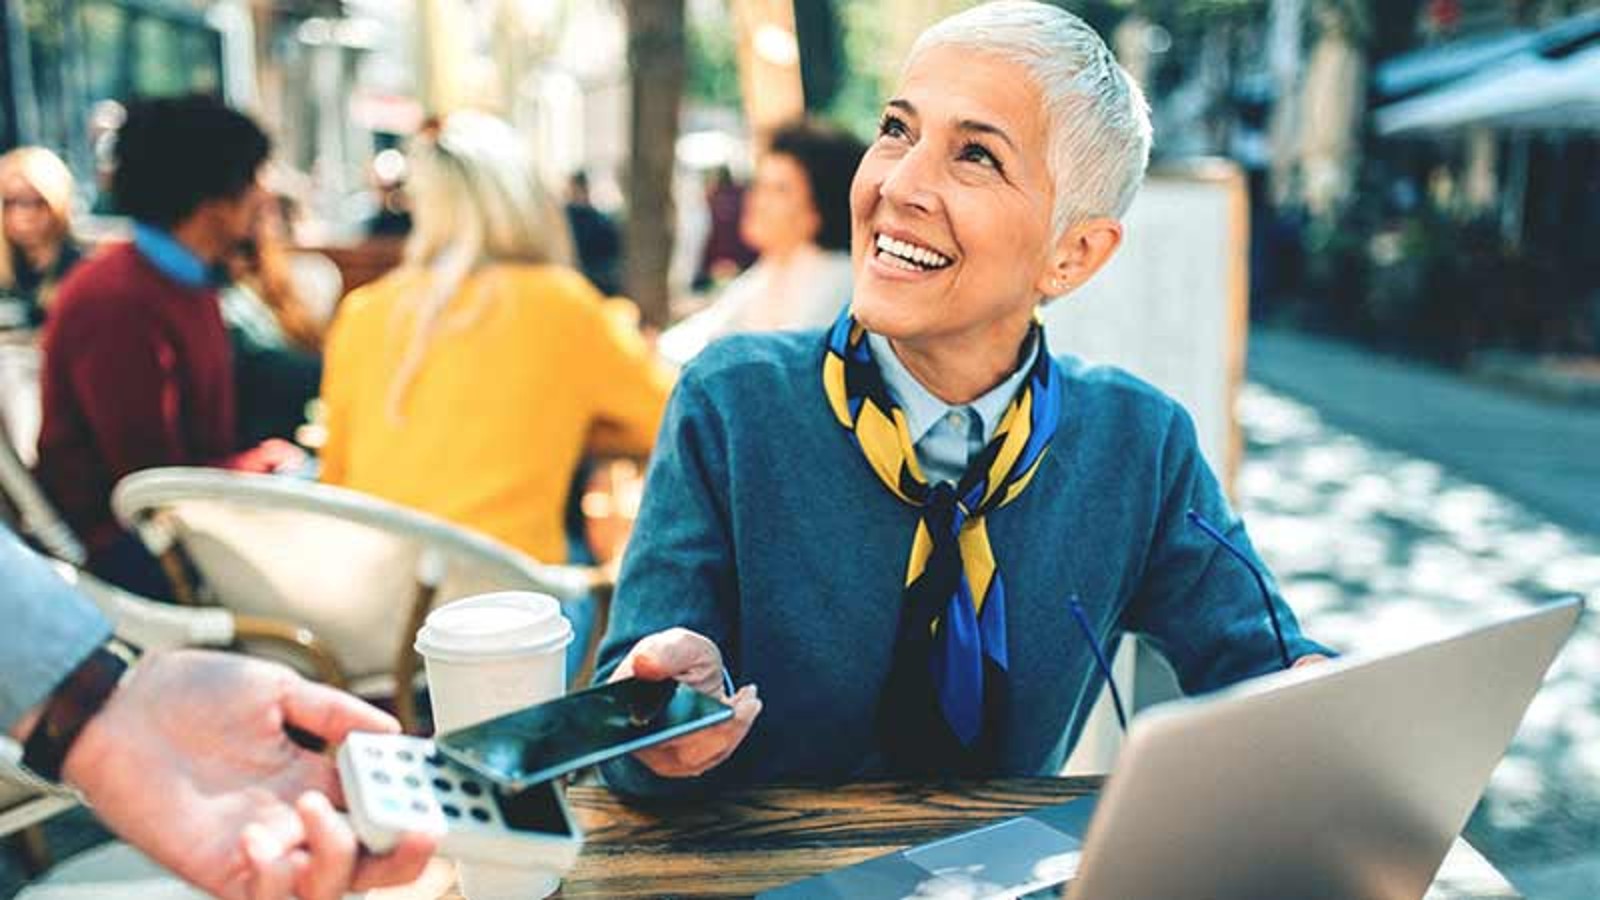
487 656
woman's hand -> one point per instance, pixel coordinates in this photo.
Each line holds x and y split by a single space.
692 659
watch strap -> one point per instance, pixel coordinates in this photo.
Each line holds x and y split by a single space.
74 702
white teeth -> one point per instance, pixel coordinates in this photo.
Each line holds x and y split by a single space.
908 251
889 258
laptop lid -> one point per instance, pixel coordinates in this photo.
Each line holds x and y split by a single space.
1347 779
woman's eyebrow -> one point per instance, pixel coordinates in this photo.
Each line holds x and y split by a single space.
974 125
985 128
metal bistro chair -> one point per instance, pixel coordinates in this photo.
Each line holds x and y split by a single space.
356 574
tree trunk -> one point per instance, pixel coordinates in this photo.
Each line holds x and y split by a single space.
1333 107
656 65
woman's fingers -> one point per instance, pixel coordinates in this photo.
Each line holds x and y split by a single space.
697 753
676 653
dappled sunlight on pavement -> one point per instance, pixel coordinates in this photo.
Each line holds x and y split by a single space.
1377 550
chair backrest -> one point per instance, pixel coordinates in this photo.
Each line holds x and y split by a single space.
31 513
21 806
344 564
150 624
20 363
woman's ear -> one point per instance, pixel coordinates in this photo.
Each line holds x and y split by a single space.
1083 248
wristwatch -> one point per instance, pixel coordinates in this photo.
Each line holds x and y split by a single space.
74 702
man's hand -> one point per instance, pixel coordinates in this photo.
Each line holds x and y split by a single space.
278 455
694 660
190 763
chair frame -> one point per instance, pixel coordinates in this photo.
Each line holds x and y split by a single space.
140 499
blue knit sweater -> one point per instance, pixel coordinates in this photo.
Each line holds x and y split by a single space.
764 529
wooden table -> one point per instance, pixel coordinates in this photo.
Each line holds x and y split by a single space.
748 841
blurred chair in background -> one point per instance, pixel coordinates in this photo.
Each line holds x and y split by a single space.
356 575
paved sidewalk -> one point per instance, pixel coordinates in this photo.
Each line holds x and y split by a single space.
1378 549
1543 454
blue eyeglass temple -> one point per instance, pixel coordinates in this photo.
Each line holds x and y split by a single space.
1099 658
1104 664
1261 579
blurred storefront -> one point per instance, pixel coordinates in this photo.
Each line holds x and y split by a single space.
1486 152
67 62
302 66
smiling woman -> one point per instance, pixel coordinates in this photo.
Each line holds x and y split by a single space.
896 526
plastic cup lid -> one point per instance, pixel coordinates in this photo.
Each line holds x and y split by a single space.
495 625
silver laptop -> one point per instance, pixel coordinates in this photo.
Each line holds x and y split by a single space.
1344 780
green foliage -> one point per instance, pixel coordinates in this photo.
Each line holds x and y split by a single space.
45 21
1195 12
713 77
859 100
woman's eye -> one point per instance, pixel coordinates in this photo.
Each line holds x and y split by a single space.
979 154
893 127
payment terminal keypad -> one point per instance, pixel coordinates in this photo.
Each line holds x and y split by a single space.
404 784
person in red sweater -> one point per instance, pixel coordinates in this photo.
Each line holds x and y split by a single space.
137 368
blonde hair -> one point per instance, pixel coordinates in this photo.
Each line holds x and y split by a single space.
46 173
1099 119
476 202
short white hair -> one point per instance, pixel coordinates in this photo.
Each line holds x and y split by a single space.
1097 118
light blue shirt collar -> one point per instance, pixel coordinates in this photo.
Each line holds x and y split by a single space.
170 257
923 410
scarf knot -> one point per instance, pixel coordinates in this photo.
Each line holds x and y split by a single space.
950 660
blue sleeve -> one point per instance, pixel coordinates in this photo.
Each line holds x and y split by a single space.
1198 605
48 629
679 566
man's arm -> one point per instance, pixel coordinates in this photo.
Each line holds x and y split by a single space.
188 758
49 631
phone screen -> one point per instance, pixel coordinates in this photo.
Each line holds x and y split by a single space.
542 742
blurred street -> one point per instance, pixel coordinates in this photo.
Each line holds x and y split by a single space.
1537 452
1390 533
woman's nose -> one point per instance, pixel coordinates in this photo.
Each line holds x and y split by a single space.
911 182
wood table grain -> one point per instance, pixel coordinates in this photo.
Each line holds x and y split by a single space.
744 842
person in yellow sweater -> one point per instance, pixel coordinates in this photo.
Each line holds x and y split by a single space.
469 382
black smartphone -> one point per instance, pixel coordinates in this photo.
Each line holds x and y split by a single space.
543 742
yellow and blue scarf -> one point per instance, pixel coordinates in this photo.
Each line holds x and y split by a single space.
953 619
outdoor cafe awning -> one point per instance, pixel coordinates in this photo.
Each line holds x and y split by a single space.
1528 91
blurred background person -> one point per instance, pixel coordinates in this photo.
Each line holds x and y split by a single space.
595 237
797 216
137 365
469 382
277 340
725 254
36 244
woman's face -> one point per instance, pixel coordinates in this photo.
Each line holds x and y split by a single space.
950 210
779 214
29 223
